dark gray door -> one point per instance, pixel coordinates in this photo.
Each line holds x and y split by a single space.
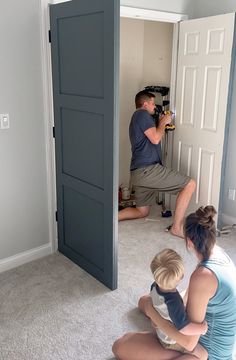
85 68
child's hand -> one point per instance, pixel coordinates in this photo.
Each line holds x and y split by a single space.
148 306
205 327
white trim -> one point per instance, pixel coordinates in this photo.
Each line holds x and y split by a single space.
146 14
227 220
173 79
48 121
174 63
25 257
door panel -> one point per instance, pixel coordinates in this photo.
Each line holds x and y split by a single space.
203 75
85 66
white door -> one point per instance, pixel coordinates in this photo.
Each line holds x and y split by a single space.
203 76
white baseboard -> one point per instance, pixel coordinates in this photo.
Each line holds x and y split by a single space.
228 220
25 257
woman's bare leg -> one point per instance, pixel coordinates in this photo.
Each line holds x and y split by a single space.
141 346
186 357
199 354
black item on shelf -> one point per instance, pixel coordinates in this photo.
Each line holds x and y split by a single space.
163 90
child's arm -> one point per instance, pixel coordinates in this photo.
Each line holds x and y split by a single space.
194 329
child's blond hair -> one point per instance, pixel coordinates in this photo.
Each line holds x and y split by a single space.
167 268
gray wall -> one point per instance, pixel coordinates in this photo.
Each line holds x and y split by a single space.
175 6
204 8
23 188
145 59
23 191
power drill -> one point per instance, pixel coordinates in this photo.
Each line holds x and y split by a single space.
159 111
169 127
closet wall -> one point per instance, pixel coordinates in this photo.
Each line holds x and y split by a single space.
145 59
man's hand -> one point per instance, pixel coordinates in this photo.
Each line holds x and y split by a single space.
166 119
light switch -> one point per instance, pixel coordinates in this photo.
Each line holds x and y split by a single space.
4 121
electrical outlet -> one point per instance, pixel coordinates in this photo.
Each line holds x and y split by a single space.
4 121
231 194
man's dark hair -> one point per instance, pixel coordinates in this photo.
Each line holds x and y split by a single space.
141 97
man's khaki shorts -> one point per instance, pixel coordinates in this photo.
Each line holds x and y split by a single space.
149 181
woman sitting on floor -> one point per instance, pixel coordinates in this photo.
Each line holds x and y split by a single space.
211 296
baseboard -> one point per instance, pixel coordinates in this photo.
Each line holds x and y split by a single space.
25 257
228 220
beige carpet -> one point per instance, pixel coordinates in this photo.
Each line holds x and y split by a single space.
50 309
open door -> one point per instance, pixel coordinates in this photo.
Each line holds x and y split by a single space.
203 79
85 70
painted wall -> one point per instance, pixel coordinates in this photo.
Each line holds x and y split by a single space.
131 75
23 189
157 48
145 59
180 6
204 8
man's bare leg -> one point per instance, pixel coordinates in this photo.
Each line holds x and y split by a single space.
133 213
182 203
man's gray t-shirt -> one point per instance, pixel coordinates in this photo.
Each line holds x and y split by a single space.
144 153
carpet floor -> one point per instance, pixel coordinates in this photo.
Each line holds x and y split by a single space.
51 309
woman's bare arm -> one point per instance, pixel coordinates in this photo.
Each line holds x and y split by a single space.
194 328
167 327
202 287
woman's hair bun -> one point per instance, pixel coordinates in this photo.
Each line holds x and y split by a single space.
205 216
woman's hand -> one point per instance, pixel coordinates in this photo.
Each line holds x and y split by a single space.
205 327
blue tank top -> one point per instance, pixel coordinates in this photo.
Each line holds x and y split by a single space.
221 309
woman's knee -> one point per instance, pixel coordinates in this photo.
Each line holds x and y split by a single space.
143 210
118 348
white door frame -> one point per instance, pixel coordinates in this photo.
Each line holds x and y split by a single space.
125 11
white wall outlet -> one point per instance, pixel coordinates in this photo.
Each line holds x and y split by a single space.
4 121
231 194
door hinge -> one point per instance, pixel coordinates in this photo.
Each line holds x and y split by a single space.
56 216
53 131
49 36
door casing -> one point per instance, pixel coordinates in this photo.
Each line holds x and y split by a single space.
125 11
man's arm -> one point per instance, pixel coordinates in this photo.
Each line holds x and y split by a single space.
155 134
